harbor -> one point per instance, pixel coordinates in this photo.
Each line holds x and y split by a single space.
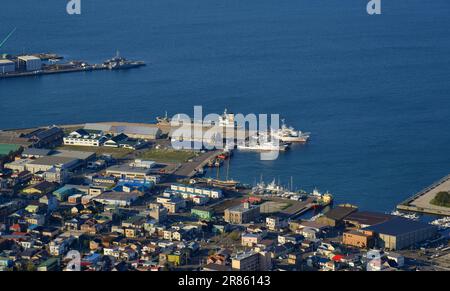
37 64
19 66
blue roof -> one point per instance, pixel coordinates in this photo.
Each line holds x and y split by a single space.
398 226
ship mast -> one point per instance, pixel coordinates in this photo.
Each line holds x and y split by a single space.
228 167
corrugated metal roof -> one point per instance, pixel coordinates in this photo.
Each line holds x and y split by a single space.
6 62
398 226
135 130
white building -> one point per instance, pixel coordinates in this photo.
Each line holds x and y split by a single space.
186 189
83 137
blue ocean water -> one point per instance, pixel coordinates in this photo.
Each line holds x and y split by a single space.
373 90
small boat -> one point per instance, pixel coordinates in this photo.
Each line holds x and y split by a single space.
442 223
411 216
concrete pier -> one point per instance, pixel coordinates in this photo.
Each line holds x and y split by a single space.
421 202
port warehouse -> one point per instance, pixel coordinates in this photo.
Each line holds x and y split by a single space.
29 63
23 63
7 66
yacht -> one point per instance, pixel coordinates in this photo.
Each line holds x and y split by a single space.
289 134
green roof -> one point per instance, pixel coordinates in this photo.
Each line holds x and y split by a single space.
5 149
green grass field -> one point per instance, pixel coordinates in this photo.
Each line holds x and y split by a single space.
167 155
117 153
5 149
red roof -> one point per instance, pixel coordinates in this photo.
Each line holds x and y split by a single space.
15 226
337 258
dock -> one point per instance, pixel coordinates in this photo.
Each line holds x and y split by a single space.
189 169
52 66
421 202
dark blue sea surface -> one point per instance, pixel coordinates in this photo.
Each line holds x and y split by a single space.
373 90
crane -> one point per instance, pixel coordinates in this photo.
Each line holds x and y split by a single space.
7 37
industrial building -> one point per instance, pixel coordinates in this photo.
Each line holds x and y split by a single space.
121 199
137 170
45 137
48 162
358 239
7 66
399 233
29 63
362 219
35 153
336 216
132 130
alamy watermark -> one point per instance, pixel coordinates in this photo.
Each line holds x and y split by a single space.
73 7
74 261
253 132
374 7
373 259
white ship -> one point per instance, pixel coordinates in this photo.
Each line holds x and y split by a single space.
289 134
271 188
411 216
442 223
262 142
263 147
227 119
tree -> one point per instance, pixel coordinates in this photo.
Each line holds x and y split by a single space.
441 199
